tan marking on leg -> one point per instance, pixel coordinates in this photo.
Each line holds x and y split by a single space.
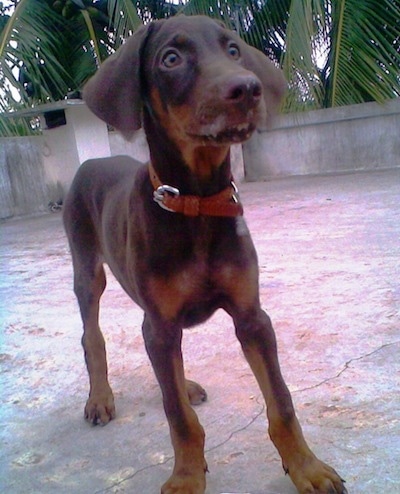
187 437
169 295
100 404
241 284
284 428
308 473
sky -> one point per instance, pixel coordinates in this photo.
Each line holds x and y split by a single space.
7 3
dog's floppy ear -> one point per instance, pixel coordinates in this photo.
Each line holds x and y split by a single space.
113 93
271 77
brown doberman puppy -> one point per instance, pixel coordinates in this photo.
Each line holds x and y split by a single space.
173 233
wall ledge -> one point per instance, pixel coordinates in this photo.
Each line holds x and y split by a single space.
341 113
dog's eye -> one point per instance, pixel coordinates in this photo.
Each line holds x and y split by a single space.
233 51
171 59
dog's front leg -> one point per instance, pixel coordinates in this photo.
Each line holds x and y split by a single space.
308 473
163 344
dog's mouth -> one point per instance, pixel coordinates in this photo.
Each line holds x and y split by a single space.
230 135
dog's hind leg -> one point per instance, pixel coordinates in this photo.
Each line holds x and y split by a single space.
100 407
197 394
89 285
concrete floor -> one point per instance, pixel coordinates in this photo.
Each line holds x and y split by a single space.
329 251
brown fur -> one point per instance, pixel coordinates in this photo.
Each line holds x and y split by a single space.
197 88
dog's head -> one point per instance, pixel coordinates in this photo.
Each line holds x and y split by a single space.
199 80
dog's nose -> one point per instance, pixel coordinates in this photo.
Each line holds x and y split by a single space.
243 89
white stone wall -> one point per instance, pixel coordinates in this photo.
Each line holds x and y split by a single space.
348 138
37 170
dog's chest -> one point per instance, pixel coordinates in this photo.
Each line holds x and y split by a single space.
181 288
199 287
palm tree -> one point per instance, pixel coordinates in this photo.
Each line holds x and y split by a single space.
48 48
333 52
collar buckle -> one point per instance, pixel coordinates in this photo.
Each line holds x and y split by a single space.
161 191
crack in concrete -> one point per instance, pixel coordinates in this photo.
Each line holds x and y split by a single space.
169 458
346 366
240 429
260 401
130 477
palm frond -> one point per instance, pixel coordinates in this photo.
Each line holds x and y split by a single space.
81 52
364 61
333 52
92 33
267 24
124 19
304 40
28 44
213 8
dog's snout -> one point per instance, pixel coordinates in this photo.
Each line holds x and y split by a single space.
245 89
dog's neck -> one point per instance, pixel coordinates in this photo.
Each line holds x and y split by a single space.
202 170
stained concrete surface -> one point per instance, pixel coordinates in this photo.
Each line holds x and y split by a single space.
329 251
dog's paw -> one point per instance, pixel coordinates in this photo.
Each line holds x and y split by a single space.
184 484
196 393
100 408
316 477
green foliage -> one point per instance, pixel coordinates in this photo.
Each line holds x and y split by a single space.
364 59
10 127
48 48
333 52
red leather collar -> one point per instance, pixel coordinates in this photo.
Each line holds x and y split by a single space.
224 203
